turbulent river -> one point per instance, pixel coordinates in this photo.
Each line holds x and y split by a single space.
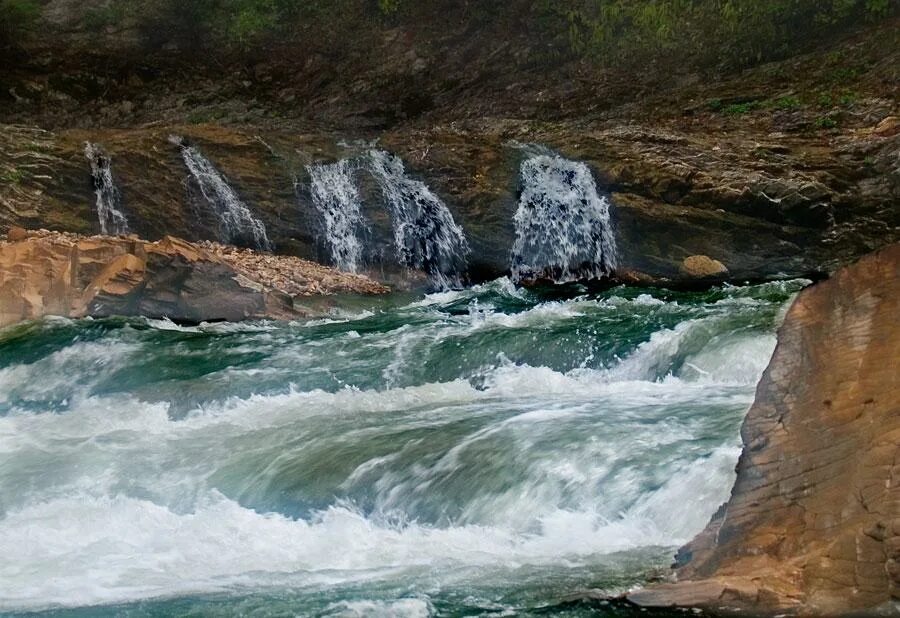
492 451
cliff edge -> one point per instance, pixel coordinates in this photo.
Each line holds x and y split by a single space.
813 523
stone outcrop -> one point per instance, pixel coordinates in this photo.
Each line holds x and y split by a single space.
45 273
813 523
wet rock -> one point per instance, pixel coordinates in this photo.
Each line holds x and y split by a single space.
813 523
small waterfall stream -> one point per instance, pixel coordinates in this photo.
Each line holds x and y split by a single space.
426 236
237 225
563 229
109 200
336 198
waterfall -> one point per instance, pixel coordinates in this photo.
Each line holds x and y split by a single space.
563 228
236 223
425 234
336 198
109 199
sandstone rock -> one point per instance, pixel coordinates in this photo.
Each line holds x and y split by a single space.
887 127
16 233
48 273
813 523
702 266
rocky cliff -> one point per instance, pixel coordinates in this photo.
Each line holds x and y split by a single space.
786 168
43 273
813 523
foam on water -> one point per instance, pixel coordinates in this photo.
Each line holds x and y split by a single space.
395 471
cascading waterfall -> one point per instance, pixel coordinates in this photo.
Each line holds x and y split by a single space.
109 200
563 229
487 451
237 225
425 234
336 198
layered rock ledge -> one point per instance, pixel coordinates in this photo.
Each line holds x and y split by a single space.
813 523
49 273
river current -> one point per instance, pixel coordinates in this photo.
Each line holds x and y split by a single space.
490 451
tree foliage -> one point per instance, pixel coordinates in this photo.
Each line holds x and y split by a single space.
614 32
736 32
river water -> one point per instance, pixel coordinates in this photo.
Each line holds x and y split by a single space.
491 451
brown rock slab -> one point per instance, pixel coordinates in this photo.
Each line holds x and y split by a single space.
46 273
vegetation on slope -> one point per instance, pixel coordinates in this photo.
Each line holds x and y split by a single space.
713 33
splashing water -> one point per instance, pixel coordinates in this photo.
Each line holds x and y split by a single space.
425 234
109 200
335 196
485 451
237 225
563 229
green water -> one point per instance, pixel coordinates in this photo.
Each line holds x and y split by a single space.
493 451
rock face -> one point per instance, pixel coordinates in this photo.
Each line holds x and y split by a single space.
67 275
784 169
813 523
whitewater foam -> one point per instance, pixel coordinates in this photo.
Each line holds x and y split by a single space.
408 446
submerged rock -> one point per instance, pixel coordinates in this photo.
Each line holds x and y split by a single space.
813 523
47 273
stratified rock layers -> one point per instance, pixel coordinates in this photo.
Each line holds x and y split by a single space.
66 275
813 523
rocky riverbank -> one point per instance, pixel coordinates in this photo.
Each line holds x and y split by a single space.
46 273
813 523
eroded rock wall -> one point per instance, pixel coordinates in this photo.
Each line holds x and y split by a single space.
813 523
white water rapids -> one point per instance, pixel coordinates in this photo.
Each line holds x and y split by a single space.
461 450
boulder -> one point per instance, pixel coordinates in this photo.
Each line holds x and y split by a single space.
813 523
16 233
702 266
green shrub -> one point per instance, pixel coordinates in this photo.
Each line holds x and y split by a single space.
17 18
729 32
786 103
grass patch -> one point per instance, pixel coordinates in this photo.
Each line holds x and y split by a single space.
12 176
786 103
